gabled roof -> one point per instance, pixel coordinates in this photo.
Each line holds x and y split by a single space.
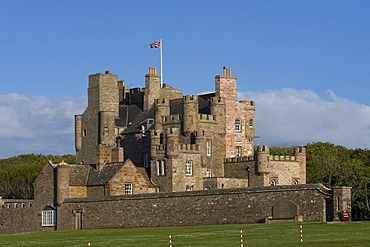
104 175
79 174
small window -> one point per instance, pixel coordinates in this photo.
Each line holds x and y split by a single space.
48 217
106 131
128 189
189 188
250 123
273 182
146 160
189 168
84 133
209 147
161 167
209 172
238 125
295 182
238 151
159 172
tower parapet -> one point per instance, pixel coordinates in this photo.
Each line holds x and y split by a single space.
162 109
263 158
172 136
190 113
300 153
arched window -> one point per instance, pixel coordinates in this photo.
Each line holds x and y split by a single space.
273 182
48 216
295 182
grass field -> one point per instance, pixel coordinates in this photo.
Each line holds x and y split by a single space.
275 234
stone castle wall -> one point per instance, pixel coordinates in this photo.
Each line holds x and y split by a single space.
234 206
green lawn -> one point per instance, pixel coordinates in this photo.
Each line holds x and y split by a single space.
274 234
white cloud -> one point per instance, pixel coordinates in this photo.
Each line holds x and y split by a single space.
296 117
39 124
44 124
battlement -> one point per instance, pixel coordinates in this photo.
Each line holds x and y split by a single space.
263 149
190 98
282 158
162 101
137 90
299 151
238 159
249 104
217 100
160 147
207 118
171 119
172 131
189 147
17 204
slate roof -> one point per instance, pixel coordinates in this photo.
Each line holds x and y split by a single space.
104 175
79 174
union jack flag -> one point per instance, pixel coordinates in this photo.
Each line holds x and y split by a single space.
156 44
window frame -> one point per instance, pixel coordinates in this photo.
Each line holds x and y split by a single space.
238 151
128 188
209 147
189 168
48 217
238 124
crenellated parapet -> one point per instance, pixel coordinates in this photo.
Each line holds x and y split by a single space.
171 119
282 158
239 159
16 203
207 118
248 104
189 147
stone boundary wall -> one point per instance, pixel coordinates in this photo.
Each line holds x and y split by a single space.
18 216
227 206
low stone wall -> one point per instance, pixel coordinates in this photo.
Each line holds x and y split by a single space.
17 216
227 206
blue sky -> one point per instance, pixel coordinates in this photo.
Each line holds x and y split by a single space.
311 58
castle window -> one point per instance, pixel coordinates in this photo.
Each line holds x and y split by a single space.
295 182
160 167
209 146
273 182
189 168
189 188
106 131
128 188
238 151
238 125
84 133
48 217
146 160
250 123
209 172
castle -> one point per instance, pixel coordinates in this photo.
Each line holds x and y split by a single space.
152 151
184 143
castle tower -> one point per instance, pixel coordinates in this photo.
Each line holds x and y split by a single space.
152 88
172 146
190 113
300 153
96 125
263 164
62 183
226 88
162 108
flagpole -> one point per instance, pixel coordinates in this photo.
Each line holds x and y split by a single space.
160 48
